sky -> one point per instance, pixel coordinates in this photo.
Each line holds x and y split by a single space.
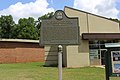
36 8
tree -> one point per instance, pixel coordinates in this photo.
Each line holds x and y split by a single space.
6 26
26 29
115 20
46 16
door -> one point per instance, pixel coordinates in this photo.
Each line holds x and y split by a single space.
102 54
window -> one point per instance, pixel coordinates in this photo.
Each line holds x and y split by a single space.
100 44
95 48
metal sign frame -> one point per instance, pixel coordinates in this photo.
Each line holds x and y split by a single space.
112 60
113 65
60 29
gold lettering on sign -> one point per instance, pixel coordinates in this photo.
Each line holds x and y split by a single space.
59 23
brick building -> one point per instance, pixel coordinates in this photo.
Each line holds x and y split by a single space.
18 50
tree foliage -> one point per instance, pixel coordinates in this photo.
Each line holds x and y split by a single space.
46 16
116 20
6 26
27 28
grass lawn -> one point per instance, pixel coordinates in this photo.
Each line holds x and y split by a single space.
36 71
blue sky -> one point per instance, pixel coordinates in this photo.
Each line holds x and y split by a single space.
56 4
118 7
35 8
59 4
7 3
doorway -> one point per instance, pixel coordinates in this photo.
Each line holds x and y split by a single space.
102 56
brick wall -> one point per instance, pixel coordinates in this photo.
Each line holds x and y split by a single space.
14 52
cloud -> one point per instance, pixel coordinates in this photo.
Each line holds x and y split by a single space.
105 8
31 9
117 0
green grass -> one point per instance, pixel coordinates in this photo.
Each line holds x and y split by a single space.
36 71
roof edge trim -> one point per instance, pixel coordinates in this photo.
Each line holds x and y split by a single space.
88 13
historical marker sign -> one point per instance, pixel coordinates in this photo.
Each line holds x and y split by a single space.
60 29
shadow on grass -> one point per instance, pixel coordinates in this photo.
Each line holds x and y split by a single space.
47 65
52 65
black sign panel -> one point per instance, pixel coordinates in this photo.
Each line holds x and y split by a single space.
60 29
115 61
115 55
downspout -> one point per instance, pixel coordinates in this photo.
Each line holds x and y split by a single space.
87 23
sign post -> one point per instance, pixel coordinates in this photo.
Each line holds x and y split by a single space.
107 66
60 30
60 50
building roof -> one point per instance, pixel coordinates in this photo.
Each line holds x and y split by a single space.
89 13
19 40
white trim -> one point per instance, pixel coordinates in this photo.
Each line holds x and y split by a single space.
19 40
112 44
